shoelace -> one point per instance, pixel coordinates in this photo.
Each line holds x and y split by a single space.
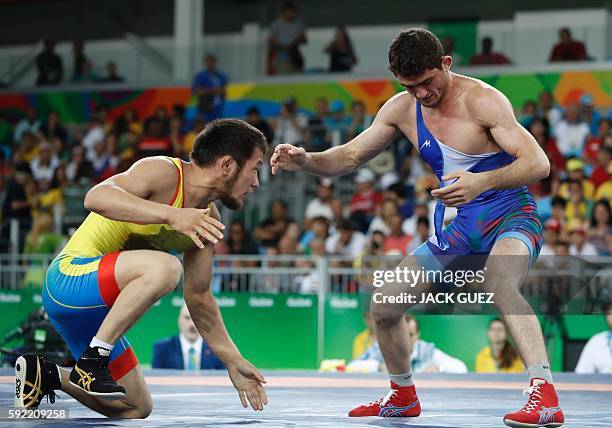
384 400
534 396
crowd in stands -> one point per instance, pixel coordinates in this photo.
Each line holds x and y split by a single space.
46 164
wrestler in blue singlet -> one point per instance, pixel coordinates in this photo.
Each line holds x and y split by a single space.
493 215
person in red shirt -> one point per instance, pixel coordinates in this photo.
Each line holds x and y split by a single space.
367 199
568 49
594 143
488 57
397 241
600 172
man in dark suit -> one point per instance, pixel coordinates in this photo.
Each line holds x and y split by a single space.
185 351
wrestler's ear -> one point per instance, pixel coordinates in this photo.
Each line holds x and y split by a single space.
226 164
447 61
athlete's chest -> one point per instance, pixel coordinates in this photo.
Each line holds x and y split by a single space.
456 130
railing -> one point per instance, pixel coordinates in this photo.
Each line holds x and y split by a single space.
308 274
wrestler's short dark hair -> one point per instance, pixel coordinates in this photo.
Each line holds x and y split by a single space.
413 51
223 137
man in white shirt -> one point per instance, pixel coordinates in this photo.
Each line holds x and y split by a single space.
571 132
347 241
596 357
321 206
187 350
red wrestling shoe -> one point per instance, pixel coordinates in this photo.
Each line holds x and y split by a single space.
400 401
541 410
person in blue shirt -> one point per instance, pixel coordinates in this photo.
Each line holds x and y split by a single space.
185 351
209 89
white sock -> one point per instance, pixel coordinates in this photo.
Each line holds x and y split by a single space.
402 379
103 346
540 370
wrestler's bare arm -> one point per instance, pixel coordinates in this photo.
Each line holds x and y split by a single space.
350 156
492 109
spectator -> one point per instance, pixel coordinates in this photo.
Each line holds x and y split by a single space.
567 49
562 248
15 204
78 53
578 206
316 133
162 118
28 148
111 74
43 166
341 53
382 221
575 172
155 142
600 227
189 139
86 74
396 241
103 159
209 87
319 229
337 123
540 129
185 351
595 142
487 56
238 241
253 117
596 356
30 124
366 199
347 241
552 231
53 128
52 191
366 338
549 110
500 355
271 229
601 172
425 356
79 167
590 116
286 36
528 114
578 237
359 120
323 204
176 136
448 44
290 125
41 240
49 65
571 132
422 234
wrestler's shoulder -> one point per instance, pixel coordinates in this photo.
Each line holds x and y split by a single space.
398 106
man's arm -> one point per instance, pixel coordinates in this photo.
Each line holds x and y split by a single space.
207 318
492 110
348 157
124 197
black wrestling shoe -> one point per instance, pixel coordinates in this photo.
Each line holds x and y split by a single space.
91 374
35 378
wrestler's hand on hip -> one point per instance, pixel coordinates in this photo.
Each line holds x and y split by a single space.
249 384
465 187
197 224
288 157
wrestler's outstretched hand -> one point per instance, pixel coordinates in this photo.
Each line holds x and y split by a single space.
288 157
249 383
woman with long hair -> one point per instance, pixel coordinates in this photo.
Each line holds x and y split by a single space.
341 53
500 355
601 226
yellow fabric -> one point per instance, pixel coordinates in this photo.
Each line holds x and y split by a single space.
582 211
485 363
189 141
99 235
604 191
588 190
361 343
